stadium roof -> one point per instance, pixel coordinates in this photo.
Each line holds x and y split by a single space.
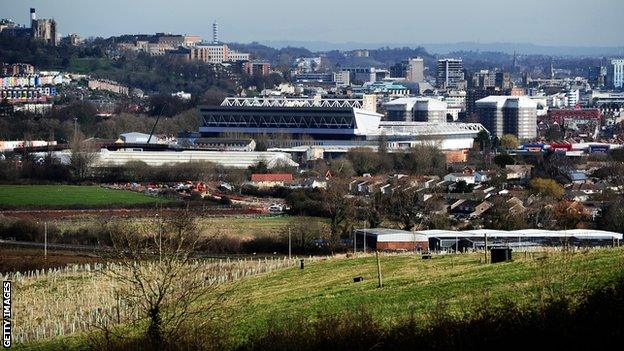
425 103
391 235
283 102
427 128
581 234
507 101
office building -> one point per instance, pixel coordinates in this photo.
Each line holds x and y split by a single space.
503 81
615 74
415 70
342 79
262 68
484 79
450 74
216 54
502 115
367 74
326 78
572 98
416 109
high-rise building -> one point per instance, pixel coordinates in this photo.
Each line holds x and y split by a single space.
43 29
615 74
450 74
572 98
503 80
415 70
502 115
484 79
416 109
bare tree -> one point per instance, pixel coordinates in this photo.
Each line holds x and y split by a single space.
405 207
339 208
83 154
159 273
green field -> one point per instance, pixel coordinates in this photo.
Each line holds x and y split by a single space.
69 195
411 286
245 227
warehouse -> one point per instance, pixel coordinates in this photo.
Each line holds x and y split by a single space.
468 240
389 240
448 240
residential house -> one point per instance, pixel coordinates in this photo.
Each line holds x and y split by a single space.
271 179
518 172
577 177
469 178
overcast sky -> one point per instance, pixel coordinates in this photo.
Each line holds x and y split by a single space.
548 22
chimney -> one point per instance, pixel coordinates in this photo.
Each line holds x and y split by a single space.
33 14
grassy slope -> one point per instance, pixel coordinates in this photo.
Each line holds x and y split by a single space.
67 195
415 285
411 285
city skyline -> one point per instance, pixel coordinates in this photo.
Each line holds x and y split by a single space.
558 22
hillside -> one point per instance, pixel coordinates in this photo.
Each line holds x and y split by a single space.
411 287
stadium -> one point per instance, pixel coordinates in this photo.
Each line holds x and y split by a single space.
335 123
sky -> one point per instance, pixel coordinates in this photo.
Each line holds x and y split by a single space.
544 22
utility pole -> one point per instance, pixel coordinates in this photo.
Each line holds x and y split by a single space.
380 284
485 248
354 242
75 127
289 244
159 238
45 240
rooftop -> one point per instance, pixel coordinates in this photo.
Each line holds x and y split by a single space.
508 101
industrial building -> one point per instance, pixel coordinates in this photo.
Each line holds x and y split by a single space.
389 240
461 241
502 115
227 159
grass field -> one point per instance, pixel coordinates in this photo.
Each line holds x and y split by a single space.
411 285
69 195
231 226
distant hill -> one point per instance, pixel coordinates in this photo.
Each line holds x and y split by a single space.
438 48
